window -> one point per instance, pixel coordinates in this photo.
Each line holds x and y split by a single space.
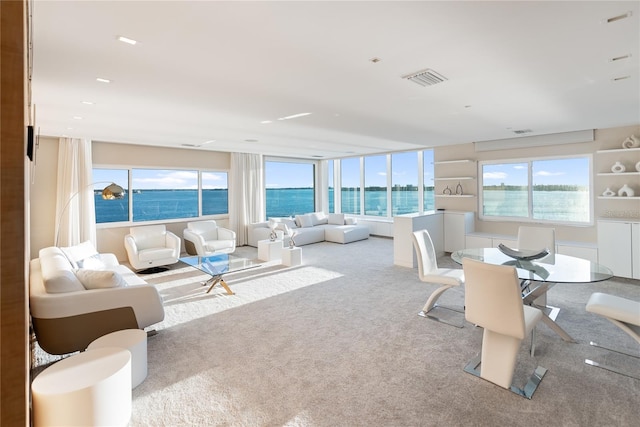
215 193
350 185
158 194
290 188
428 192
116 210
375 185
330 172
554 190
404 183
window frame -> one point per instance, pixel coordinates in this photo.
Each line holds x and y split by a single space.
315 167
530 208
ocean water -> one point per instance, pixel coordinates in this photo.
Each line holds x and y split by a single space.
150 205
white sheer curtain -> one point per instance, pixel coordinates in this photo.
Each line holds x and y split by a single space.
75 212
246 193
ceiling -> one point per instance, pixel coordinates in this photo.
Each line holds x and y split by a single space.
205 75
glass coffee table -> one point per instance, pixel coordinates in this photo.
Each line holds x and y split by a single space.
218 265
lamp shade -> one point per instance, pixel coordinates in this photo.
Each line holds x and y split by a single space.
112 191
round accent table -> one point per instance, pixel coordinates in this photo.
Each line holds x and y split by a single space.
92 388
134 340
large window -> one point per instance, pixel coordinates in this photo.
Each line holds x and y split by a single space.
554 190
330 172
161 194
350 185
429 201
404 183
290 188
375 185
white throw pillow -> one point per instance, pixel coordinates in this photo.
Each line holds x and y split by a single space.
319 218
336 219
306 221
93 262
350 221
284 228
100 279
79 252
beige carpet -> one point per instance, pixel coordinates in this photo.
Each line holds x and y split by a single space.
338 342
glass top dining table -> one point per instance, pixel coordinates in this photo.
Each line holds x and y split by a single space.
543 273
556 268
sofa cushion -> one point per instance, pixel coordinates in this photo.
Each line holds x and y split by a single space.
319 218
100 279
57 273
304 221
93 262
77 253
336 219
291 223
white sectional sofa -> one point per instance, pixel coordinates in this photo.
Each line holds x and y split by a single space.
310 228
77 295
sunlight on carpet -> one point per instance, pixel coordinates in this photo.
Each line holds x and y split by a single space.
185 298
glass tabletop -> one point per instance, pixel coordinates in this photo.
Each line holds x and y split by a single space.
217 265
556 268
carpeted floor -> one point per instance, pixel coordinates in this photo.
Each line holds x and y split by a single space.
338 342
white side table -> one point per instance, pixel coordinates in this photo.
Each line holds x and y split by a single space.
87 389
291 256
134 340
270 251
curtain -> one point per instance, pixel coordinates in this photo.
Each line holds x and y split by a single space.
75 211
246 193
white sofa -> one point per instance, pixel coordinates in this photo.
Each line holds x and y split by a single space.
310 228
78 295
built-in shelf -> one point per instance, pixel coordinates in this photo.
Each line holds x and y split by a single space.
455 195
618 173
445 162
618 150
454 178
617 197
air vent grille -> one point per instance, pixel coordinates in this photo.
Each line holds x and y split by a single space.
522 131
426 77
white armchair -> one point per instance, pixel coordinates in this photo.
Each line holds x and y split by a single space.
151 246
206 238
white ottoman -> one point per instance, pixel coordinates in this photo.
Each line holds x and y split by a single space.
134 340
92 388
346 233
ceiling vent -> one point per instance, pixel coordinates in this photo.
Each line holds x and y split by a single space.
522 131
426 77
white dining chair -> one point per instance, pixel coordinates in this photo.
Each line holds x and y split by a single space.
429 272
493 301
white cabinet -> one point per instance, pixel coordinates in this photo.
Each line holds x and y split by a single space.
619 247
403 228
456 226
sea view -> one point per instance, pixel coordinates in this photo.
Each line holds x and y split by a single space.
150 205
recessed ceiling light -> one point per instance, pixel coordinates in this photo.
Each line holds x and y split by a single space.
619 58
375 60
250 140
619 17
264 122
617 79
127 40
87 102
77 118
101 80
294 116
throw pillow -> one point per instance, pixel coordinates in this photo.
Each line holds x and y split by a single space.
79 252
336 219
93 262
306 221
319 218
350 221
284 228
100 279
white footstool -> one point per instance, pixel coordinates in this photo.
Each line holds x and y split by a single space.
269 251
291 256
134 340
92 388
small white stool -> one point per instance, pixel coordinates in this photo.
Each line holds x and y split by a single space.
134 340
269 251
291 256
92 388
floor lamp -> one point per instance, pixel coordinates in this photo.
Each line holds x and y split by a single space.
110 192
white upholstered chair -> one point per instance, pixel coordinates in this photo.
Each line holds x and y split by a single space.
622 312
151 246
493 301
537 238
429 272
206 238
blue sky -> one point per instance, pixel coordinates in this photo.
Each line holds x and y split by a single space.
558 171
161 179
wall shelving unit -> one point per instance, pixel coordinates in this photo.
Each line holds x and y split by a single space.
608 179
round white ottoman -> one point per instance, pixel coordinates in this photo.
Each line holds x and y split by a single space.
92 388
134 340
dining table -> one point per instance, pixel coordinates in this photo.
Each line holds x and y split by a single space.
542 274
